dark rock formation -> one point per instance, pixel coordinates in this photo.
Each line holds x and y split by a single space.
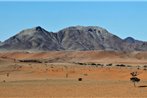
71 38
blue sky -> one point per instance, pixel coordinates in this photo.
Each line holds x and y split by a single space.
120 18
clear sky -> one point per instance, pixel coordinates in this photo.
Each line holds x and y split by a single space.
120 18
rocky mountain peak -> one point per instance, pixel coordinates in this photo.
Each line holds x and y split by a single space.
84 28
94 31
39 28
71 38
129 39
31 32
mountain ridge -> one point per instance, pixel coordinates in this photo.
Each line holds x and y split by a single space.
73 38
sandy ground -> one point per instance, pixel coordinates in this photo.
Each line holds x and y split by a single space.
59 77
71 88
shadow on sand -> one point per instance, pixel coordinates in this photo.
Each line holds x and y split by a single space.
142 86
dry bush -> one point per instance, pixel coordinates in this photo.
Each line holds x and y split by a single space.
80 79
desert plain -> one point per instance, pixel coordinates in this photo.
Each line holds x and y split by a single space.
68 74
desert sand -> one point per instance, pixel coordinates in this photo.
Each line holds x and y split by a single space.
57 74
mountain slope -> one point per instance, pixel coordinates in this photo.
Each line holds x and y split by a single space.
36 39
88 38
71 38
134 45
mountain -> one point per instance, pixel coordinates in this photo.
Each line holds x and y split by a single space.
32 39
132 44
88 38
71 38
130 40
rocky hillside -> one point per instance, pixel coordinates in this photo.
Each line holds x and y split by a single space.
134 45
32 39
88 38
71 38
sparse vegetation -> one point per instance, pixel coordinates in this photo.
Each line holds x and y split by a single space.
94 64
81 63
109 65
85 74
145 67
138 67
101 65
129 66
8 74
80 79
30 60
134 78
4 81
121 65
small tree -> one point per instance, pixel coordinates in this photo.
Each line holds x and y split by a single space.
134 78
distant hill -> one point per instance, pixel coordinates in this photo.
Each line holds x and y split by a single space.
71 39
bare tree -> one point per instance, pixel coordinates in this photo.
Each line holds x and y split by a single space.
134 78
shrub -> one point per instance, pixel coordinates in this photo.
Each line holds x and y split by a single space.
109 65
145 67
85 74
93 64
121 65
34 61
80 79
